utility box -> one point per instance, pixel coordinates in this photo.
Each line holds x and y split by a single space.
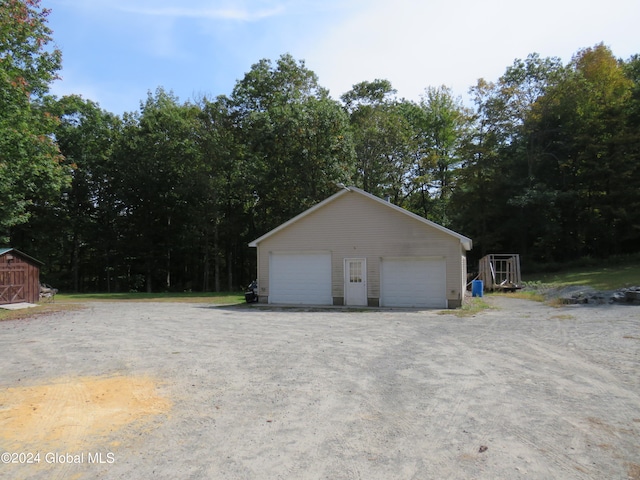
477 288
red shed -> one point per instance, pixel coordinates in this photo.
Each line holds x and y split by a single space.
19 277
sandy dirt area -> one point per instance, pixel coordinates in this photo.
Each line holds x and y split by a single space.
166 391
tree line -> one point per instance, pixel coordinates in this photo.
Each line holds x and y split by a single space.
544 162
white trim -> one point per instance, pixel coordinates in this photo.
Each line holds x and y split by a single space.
466 242
413 257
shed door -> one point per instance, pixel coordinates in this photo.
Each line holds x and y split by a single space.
13 283
413 282
300 278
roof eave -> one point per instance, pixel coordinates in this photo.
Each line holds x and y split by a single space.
7 250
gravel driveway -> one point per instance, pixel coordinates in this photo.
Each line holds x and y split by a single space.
169 391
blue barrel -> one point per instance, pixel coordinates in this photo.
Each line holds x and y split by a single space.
476 288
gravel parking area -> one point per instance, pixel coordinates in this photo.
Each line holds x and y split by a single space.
165 391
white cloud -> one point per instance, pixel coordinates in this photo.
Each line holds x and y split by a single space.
420 44
106 94
130 46
247 11
230 13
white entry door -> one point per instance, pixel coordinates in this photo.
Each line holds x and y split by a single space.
355 281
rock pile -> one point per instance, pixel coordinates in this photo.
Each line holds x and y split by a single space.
578 295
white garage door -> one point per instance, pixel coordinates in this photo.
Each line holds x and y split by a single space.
413 282
300 278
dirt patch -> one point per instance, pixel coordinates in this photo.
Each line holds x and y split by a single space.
75 414
634 471
40 310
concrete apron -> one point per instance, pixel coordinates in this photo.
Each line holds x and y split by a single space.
17 306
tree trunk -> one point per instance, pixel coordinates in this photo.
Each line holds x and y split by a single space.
75 261
168 281
205 262
149 276
108 270
229 270
216 258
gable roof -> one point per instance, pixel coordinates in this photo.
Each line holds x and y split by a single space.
7 250
466 242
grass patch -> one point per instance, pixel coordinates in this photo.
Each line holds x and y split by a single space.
557 302
74 301
224 298
603 277
470 306
533 295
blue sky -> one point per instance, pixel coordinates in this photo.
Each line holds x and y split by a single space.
115 51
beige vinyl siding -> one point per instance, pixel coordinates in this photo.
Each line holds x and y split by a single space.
354 226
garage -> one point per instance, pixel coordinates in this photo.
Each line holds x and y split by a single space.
413 282
300 278
332 254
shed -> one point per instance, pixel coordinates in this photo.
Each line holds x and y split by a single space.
354 248
19 277
500 271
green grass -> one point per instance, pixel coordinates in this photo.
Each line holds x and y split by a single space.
65 302
225 298
603 277
533 295
470 306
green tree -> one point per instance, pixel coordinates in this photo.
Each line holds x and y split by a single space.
222 217
74 233
86 136
295 140
30 164
478 199
498 194
627 196
528 204
383 139
153 174
581 124
441 128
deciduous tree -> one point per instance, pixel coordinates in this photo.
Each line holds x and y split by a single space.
383 139
295 140
30 164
